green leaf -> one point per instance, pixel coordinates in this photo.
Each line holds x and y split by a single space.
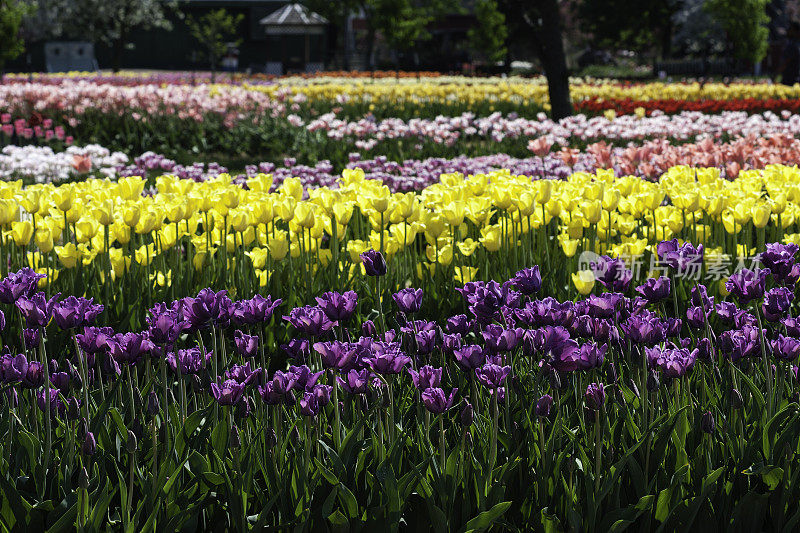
772 477
484 521
213 479
327 474
67 520
338 521
219 439
348 500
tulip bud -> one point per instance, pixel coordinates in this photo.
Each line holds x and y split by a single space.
197 385
73 409
707 423
271 438
516 384
653 381
555 379
368 329
235 441
736 399
131 444
634 388
137 399
153 403
544 406
89 444
611 373
467 414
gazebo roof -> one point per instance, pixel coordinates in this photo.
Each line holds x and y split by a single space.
293 19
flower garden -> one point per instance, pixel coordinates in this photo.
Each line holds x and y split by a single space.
409 302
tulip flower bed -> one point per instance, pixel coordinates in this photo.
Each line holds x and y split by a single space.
110 241
659 406
321 119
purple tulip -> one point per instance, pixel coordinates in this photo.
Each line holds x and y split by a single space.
355 381
304 378
89 446
776 303
792 326
34 377
337 354
700 297
309 404
470 357
13 369
644 328
586 357
229 392
75 312
674 363
785 348
94 339
37 309
57 406
387 358
310 320
165 325
544 405
683 259
128 348
258 309
595 396
192 361
612 273
779 259
491 375
427 377
655 289
338 307
696 317
323 393
408 300
207 307
374 263
19 284
528 280
242 373
500 340
436 401
278 390
246 345
747 285
736 344
459 324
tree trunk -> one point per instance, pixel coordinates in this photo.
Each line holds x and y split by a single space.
551 52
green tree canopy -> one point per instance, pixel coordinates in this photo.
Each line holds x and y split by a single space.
489 36
745 23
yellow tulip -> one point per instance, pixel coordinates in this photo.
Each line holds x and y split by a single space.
68 255
44 240
22 232
583 281
761 214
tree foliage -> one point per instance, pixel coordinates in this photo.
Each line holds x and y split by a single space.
745 23
12 14
489 36
214 30
112 22
640 25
